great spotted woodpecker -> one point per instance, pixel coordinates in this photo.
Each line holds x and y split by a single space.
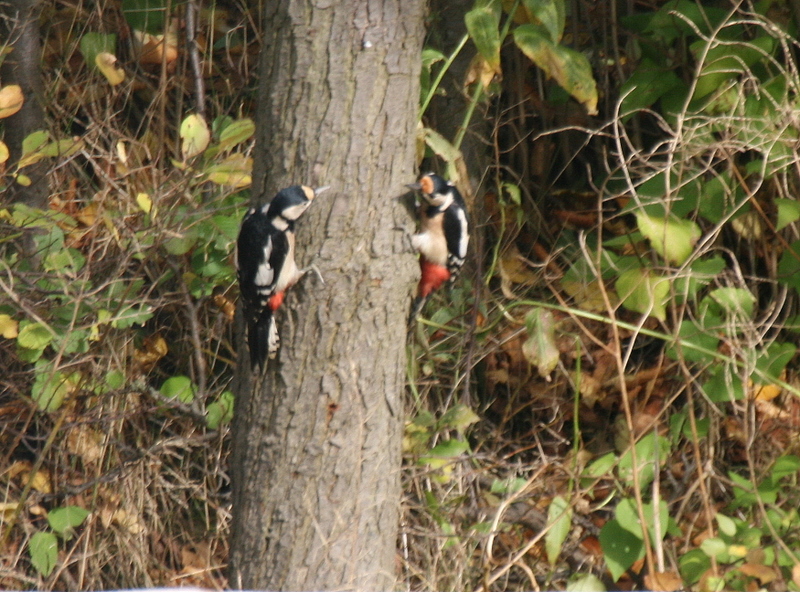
443 237
266 267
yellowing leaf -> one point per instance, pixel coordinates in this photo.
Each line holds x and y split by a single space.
540 348
41 482
3 152
671 237
235 171
144 202
11 100
570 69
195 135
107 64
644 291
8 327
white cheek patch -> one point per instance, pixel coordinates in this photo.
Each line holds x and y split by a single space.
294 212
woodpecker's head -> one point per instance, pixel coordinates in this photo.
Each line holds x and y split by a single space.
290 203
435 190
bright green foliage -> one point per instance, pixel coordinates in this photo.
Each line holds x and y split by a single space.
43 549
559 521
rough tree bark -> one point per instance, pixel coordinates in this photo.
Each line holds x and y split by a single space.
19 29
316 444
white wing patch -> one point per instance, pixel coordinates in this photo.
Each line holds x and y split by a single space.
464 241
265 274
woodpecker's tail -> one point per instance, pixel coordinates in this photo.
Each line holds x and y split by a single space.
416 309
263 339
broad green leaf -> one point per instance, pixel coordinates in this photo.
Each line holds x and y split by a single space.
692 565
644 291
235 171
34 141
645 457
773 361
445 149
670 237
179 387
570 69
736 302
50 388
220 412
43 549
648 83
785 466
64 520
34 336
93 44
726 61
714 547
540 348
237 132
723 386
621 548
694 343
550 13
483 25
559 519
195 135
789 266
788 212
145 15
585 583
726 525
458 417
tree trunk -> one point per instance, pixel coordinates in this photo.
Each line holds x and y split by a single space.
19 29
316 444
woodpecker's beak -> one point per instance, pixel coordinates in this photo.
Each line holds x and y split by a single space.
318 190
414 186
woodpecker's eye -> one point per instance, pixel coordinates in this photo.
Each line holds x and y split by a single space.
426 184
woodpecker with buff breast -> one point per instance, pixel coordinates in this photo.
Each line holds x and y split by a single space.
266 267
443 235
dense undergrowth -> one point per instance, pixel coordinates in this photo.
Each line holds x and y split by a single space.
622 352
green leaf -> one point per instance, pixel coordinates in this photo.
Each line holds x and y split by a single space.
570 69
34 336
692 565
645 457
34 141
459 417
773 361
559 519
540 348
483 25
550 13
789 266
50 387
648 83
691 334
723 386
585 583
64 520
726 61
788 212
43 549
444 149
220 412
179 387
785 466
195 135
671 237
145 15
644 291
714 547
621 548
726 525
93 44
738 303
237 132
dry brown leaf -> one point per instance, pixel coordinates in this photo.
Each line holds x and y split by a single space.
154 348
762 573
85 442
664 581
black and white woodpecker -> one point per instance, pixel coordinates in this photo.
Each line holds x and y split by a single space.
443 235
266 267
